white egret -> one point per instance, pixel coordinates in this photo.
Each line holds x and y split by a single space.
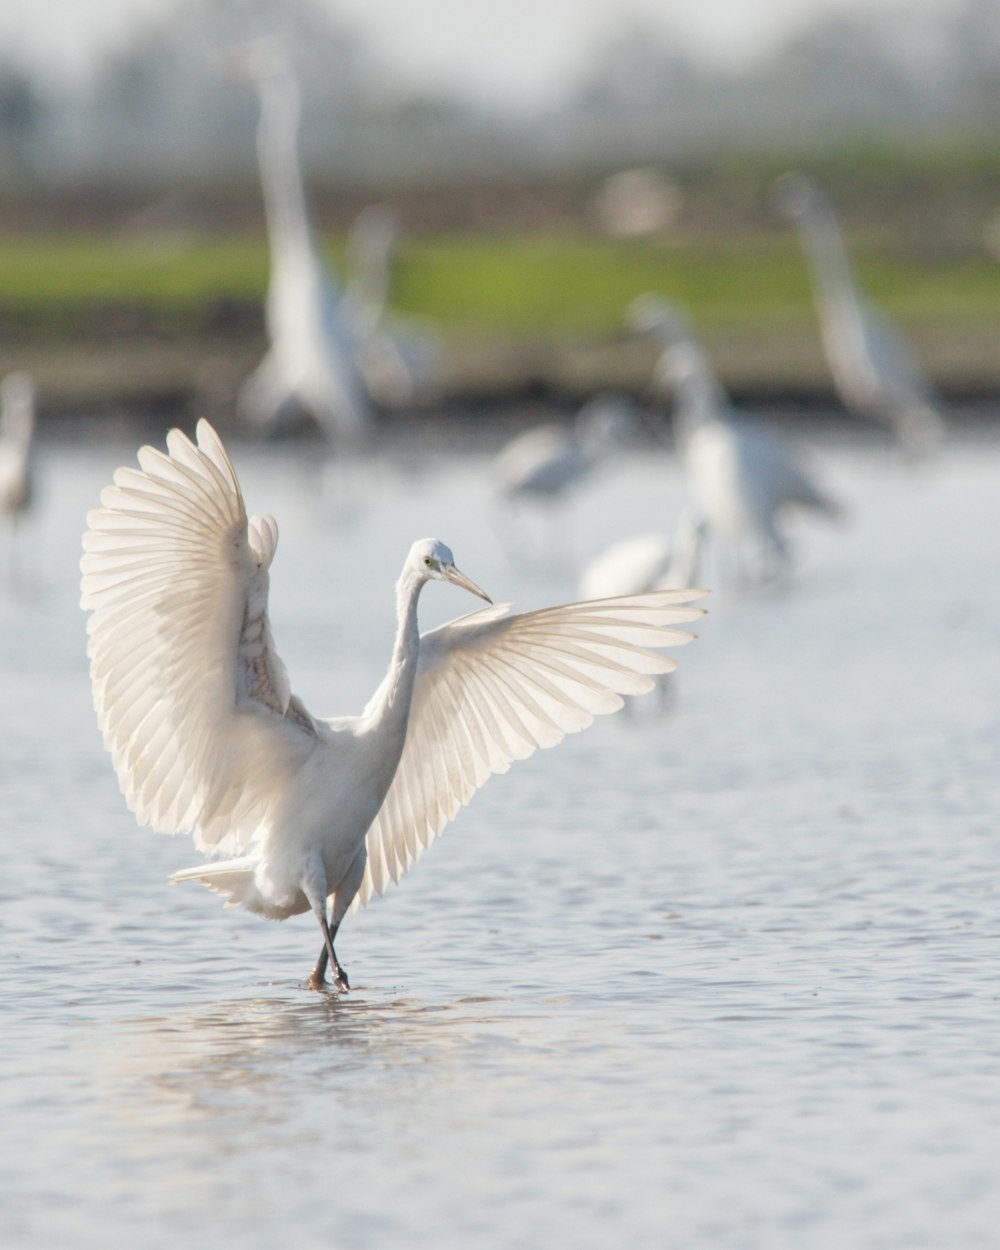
371 250
310 365
875 372
400 361
17 426
741 475
544 462
196 708
641 562
543 466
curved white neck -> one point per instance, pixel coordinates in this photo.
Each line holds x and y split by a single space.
280 175
699 394
831 270
390 705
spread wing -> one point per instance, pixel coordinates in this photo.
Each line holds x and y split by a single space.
191 696
492 688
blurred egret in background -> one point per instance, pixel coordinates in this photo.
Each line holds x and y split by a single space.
371 249
875 372
206 736
310 366
641 562
544 465
545 462
17 427
400 362
742 476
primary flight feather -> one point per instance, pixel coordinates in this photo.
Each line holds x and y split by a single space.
207 737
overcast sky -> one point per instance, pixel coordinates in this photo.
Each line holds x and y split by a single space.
525 49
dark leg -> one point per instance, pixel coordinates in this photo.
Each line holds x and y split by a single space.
328 956
318 978
339 902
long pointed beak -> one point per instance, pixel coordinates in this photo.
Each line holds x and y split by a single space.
459 579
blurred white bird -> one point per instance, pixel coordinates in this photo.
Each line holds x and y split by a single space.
17 426
875 372
544 465
400 361
544 462
310 366
642 562
196 708
371 249
741 475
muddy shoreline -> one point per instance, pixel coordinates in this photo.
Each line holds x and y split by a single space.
117 363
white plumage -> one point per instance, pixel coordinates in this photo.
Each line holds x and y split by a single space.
196 708
399 359
17 426
641 562
742 477
875 372
544 462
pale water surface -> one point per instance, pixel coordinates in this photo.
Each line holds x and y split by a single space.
722 978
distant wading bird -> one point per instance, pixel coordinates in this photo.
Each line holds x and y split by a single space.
400 361
642 562
543 466
875 372
742 477
310 366
205 735
545 462
17 425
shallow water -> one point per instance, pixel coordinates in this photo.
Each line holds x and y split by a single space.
722 977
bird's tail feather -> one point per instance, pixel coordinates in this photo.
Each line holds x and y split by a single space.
233 878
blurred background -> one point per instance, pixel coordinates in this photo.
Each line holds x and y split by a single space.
542 167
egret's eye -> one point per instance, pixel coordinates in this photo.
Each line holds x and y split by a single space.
428 561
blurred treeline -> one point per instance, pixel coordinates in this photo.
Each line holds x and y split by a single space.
903 103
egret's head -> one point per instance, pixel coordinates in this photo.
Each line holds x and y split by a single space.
608 421
256 61
651 314
794 195
431 559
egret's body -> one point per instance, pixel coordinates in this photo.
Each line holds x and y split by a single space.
544 462
310 366
642 562
17 425
540 463
741 475
875 372
400 362
206 736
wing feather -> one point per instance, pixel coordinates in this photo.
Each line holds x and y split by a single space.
492 688
191 696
